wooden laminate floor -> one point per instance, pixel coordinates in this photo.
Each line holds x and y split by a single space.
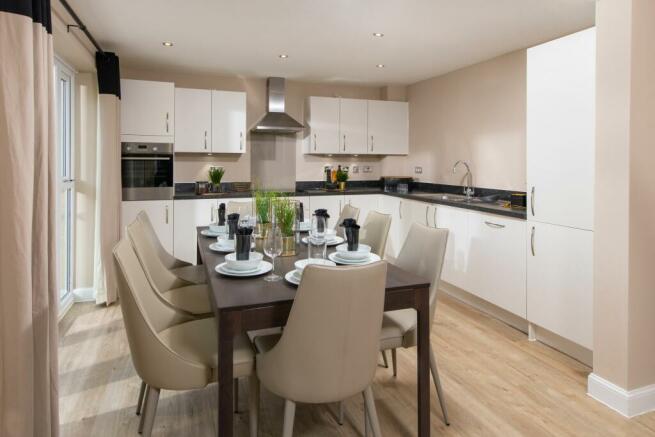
496 383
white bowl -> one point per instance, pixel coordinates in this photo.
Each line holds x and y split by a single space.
216 229
302 263
330 234
232 263
362 252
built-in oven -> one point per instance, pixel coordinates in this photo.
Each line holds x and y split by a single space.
147 171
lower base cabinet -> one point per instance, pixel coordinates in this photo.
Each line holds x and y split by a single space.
188 215
160 213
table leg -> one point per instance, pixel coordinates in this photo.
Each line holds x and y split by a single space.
226 329
423 360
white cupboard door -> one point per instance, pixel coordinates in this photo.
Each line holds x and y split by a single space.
352 126
393 206
388 128
193 120
228 122
160 213
365 203
497 264
323 122
560 281
148 109
456 264
561 130
189 214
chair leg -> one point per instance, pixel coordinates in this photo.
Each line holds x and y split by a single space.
142 419
394 363
367 421
150 410
340 418
384 358
437 384
372 412
289 417
142 393
253 404
236 395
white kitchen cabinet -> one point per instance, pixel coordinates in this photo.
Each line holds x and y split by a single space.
560 281
561 130
352 126
306 206
333 204
388 127
392 206
147 111
228 127
160 213
365 203
497 261
322 122
193 120
456 264
190 213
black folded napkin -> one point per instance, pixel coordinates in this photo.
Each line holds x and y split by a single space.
232 224
348 222
322 213
243 243
221 214
352 236
300 212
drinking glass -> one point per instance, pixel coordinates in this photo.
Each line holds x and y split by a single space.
272 249
317 240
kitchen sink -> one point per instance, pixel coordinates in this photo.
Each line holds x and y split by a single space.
457 197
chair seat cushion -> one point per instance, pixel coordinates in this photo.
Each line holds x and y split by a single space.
396 325
193 274
197 341
193 299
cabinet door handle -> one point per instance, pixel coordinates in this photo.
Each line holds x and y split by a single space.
314 142
494 225
372 144
166 214
532 200
240 140
167 122
434 217
426 215
400 209
532 241
344 143
205 140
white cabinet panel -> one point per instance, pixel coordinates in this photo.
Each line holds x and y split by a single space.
496 261
393 205
560 281
352 126
456 265
306 206
193 120
160 213
561 130
228 122
147 110
333 204
388 127
322 119
189 214
365 203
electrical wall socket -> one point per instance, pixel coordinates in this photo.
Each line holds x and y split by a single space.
355 169
418 170
366 169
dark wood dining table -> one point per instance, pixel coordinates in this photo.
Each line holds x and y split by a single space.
246 304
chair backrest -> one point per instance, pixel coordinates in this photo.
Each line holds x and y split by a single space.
348 211
159 276
423 254
375 231
166 258
330 345
241 208
145 316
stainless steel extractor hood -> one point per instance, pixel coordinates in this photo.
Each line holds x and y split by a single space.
276 121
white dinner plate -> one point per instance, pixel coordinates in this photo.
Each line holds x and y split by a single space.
218 247
264 267
292 277
334 256
208 233
337 240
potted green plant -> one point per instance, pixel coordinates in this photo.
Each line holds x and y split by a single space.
342 178
263 201
215 176
285 217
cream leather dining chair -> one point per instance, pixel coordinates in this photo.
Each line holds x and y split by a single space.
422 254
241 208
181 269
190 298
169 350
375 231
348 211
328 350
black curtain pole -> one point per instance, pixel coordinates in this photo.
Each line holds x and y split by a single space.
81 25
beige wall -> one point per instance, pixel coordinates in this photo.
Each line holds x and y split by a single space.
624 242
191 167
476 114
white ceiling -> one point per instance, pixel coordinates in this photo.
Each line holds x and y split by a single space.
326 40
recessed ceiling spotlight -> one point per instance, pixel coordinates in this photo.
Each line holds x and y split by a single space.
283 56
167 44
378 34
380 65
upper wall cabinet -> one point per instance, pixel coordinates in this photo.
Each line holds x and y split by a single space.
322 120
352 126
388 128
228 122
193 120
147 111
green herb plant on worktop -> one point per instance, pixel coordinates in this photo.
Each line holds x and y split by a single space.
215 177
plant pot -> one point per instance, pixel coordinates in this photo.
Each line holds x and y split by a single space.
288 246
262 229
216 188
342 186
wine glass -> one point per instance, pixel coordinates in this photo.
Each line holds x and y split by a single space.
273 248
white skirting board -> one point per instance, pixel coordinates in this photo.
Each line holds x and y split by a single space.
84 294
629 403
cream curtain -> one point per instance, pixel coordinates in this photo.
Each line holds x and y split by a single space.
28 287
108 177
